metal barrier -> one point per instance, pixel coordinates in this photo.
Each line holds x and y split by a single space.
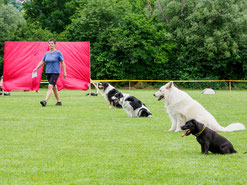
165 81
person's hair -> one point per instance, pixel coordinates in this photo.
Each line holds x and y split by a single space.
52 40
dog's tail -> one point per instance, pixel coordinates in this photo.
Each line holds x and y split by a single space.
232 127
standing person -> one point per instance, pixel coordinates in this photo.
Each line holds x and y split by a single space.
1 83
52 59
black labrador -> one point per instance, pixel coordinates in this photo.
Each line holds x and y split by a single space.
209 139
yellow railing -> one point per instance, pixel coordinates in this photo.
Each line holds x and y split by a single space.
229 81
165 81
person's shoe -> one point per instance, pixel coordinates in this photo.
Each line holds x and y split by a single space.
59 103
43 103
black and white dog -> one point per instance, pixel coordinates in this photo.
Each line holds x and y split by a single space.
109 91
209 139
133 106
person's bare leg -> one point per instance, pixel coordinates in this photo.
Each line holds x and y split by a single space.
56 93
49 92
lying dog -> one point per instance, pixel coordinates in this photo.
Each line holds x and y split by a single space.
182 108
133 106
209 139
109 91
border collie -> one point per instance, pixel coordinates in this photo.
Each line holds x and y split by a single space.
182 108
133 106
209 139
109 91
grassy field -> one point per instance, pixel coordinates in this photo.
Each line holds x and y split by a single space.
85 142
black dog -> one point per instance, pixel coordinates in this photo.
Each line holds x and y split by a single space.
131 105
109 91
209 139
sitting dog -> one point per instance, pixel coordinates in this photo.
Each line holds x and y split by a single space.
181 108
109 91
209 139
133 106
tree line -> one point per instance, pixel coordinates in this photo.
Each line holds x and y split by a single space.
137 39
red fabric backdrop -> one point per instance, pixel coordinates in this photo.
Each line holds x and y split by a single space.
20 58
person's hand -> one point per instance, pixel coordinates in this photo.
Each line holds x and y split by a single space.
64 74
35 70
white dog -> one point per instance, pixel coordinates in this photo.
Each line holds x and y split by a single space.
182 108
133 106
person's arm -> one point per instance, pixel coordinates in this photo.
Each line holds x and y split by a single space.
64 69
38 66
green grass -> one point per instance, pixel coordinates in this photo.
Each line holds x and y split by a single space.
85 142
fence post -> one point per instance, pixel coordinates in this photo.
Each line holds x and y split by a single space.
230 85
129 85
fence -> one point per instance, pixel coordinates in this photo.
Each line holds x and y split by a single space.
176 81
229 82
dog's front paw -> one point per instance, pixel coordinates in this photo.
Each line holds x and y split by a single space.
177 130
171 129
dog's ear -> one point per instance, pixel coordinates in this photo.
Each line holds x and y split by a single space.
194 121
197 124
106 84
200 125
170 84
121 95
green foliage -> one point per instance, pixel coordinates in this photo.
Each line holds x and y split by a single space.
140 47
16 4
210 35
10 22
93 22
53 15
124 45
136 39
3 2
33 32
13 27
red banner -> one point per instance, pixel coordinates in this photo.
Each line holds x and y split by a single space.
20 58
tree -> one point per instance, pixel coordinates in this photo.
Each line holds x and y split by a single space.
10 21
93 22
53 15
210 35
16 4
140 48
32 32
124 45
13 27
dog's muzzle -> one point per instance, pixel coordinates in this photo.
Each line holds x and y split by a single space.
160 97
187 132
115 99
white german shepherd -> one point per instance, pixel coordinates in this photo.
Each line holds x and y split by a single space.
182 108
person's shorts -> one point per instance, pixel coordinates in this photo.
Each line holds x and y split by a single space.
52 78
